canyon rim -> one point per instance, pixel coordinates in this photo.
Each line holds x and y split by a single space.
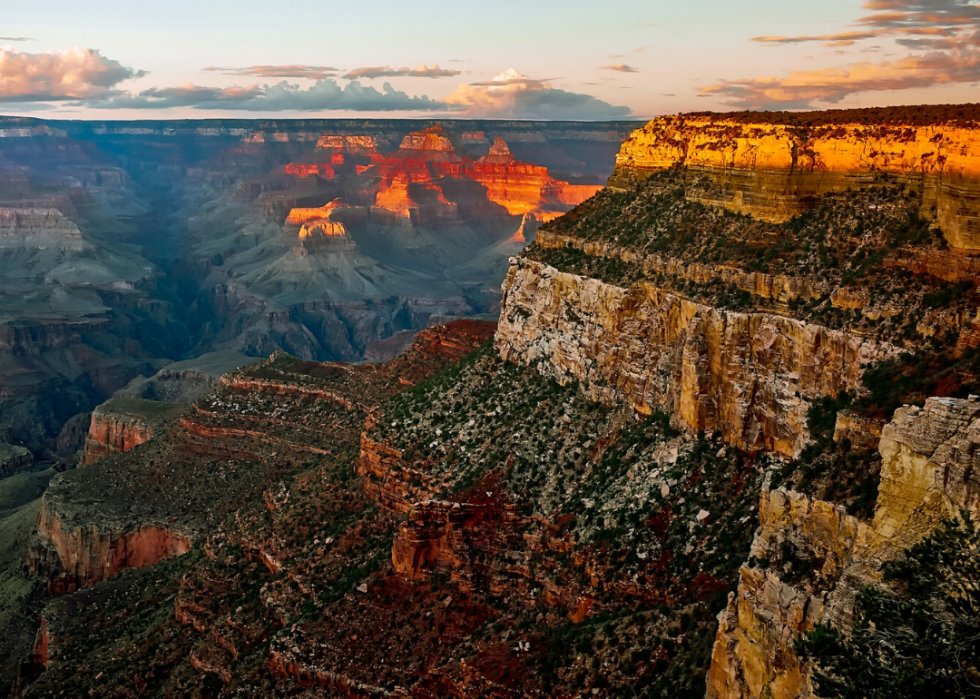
575 364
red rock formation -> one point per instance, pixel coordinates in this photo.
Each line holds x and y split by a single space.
40 653
113 433
523 188
299 216
75 557
412 185
393 201
431 143
357 145
324 170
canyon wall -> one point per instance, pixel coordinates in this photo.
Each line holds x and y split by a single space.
111 433
775 171
14 459
72 556
928 474
123 423
749 375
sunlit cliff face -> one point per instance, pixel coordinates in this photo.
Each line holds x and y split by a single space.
322 229
300 216
409 178
774 171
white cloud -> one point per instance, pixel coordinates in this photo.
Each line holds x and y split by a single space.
74 74
516 96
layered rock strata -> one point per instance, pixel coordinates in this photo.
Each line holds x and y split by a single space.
749 375
72 556
14 459
123 424
779 288
774 171
928 475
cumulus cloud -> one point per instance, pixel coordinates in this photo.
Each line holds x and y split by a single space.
516 96
323 95
419 71
76 74
620 67
945 34
284 71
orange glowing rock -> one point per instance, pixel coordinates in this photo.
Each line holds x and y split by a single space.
299 217
432 140
358 145
324 170
393 195
523 188
322 228
775 171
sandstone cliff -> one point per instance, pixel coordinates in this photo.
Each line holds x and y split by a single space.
71 556
774 171
749 375
928 472
121 424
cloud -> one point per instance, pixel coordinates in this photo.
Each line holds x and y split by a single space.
76 74
420 71
323 95
621 67
800 89
512 95
284 71
943 34
16 38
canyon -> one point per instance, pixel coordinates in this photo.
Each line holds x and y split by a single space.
126 246
725 395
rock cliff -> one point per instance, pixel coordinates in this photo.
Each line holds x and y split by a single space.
775 171
810 558
14 459
748 375
121 424
71 557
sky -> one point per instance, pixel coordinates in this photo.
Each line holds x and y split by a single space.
522 59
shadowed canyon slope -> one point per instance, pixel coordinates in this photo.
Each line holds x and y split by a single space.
128 245
725 394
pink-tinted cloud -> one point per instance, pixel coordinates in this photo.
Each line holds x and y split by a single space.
75 74
800 89
283 71
512 95
899 18
620 67
420 71
946 32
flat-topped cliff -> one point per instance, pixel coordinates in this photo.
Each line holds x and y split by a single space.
775 171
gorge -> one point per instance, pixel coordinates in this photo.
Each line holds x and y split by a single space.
723 398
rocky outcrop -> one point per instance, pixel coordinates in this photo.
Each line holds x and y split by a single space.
522 188
774 171
14 459
779 288
281 665
928 474
114 430
861 431
71 556
38 228
749 375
